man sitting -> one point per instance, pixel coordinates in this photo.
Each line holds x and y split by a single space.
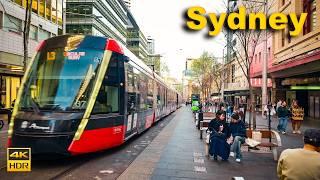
302 163
238 132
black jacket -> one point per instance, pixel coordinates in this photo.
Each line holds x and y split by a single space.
238 129
214 126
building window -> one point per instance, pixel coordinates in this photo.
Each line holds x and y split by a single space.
259 57
35 6
54 11
41 7
59 12
255 59
233 73
12 24
309 6
43 34
33 32
48 9
18 2
283 38
1 19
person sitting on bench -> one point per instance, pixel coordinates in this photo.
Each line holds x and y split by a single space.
238 132
218 139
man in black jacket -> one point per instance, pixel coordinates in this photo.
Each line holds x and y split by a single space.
238 132
219 134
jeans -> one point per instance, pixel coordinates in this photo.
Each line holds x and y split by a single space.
236 146
283 121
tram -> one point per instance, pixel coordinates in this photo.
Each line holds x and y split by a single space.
84 94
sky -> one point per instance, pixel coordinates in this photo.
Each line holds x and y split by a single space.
163 20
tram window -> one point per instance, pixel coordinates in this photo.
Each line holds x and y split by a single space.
108 97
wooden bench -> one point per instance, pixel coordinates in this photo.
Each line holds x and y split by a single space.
269 139
207 117
266 136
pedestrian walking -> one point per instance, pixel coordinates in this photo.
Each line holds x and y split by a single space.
297 115
218 139
283 115
301 163
238 132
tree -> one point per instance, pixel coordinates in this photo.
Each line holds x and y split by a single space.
246 48
26 30
205 72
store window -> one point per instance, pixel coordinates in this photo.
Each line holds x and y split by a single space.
9 90
12 24
48 9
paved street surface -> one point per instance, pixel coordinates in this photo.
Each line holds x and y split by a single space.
169 150
178 153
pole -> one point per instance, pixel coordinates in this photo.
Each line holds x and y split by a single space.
64 19
223 78
265 65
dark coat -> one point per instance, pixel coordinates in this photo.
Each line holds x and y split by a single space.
214 126
283 112
238 129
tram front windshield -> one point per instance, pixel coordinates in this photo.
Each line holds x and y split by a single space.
61 78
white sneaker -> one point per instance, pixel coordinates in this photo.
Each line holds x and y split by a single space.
238 160
283 132
232 154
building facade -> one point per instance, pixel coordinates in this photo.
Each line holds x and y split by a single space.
97 17
296 65
151 45
46 21
136 40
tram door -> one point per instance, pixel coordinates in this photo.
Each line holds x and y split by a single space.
132 117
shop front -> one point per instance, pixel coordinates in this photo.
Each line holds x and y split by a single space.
10 81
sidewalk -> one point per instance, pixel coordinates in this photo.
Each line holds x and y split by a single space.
178 153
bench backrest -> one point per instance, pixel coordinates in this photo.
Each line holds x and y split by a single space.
264 133
209 114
